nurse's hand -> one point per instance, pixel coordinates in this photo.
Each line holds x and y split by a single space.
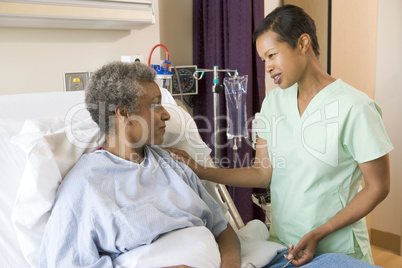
182 156
304 251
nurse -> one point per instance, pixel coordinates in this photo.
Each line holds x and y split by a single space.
323 136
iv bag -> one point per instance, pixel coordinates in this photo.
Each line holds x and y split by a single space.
235 92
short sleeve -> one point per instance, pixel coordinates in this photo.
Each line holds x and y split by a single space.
364 134
263 126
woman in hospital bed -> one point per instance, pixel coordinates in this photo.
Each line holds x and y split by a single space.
329 134
130 193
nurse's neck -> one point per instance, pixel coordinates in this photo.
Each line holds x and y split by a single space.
313 80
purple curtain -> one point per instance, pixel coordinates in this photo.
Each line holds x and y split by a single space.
222 36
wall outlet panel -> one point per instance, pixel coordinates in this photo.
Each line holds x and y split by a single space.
133 58
76 81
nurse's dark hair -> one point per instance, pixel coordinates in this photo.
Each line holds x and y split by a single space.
116 84
289 22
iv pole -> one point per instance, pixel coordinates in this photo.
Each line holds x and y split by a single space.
216 89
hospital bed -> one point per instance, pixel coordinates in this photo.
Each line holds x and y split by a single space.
42 135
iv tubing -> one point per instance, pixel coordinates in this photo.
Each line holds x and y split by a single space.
152 50
217 138
235 156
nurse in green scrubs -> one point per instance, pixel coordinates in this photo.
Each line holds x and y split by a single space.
318 138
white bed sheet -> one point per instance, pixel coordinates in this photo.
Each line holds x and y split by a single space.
194 247
197 248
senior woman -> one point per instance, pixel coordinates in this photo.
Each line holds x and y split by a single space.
131 192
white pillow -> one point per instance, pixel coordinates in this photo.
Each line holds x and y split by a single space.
259 252
51 151
182 133
12 162
255 247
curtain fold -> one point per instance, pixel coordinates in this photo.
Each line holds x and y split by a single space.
222 36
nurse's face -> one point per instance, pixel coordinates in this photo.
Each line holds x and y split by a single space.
282 62
148 125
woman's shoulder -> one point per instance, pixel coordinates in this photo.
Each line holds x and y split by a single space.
350 95
353 101
76 179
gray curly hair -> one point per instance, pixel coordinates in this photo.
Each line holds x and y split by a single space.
116 84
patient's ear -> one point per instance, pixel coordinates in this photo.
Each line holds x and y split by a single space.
121 114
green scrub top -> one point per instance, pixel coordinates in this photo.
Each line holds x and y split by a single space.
315 161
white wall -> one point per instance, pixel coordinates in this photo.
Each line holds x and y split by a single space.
176 30
387 216
353 43
34 60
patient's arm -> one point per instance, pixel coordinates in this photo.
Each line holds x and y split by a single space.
229 247
259 175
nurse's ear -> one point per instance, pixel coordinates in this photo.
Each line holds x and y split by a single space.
304 42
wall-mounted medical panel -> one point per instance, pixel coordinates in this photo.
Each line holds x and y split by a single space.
77 14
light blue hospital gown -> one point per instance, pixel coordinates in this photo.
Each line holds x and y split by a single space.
107 206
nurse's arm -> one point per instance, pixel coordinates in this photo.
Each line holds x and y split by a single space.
376 174
259 175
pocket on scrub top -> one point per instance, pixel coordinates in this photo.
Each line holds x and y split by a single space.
342 240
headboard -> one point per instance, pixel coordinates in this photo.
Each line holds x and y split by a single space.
38 105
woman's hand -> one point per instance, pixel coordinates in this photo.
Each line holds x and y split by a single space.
304 251
182 156
259 175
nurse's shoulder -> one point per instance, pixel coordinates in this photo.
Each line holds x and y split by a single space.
351 96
